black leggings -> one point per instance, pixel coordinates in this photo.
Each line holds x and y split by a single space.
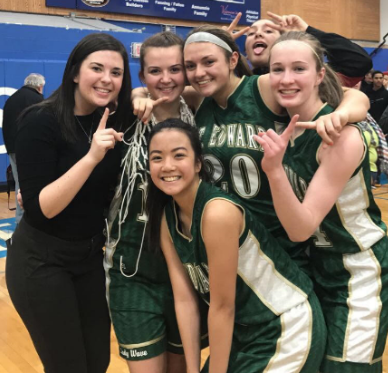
58 289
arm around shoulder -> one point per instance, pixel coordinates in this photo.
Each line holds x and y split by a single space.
355 105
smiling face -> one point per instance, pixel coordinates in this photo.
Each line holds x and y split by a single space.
163 72
294 78
173 166
98 82
260 38
209 71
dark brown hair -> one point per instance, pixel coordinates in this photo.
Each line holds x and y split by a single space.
242 67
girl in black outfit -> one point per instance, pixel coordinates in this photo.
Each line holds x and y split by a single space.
67 163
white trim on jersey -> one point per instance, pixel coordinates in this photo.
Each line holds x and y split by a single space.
352 207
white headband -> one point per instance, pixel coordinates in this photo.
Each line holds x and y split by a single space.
207 37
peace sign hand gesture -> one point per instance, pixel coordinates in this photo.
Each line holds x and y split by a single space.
231 28
103 139
275 146
291 22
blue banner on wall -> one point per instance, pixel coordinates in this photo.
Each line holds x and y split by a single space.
222 11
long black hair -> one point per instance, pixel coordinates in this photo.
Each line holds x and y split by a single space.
156 199
62 100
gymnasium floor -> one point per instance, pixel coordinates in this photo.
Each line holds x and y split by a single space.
17 354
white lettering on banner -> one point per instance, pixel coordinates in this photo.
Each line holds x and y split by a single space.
133 5
253 18
5 91
180 5
252 12
169 9
166 3
203 14
200 7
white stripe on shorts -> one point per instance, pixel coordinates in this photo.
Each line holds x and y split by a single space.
259 273
364 306
294 344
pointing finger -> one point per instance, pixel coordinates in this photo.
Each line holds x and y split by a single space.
307 125
103 120
274 16
160 101
290 128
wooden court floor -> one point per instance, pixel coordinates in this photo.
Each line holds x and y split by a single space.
17 354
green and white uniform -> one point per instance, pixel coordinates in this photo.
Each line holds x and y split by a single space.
138 286
234 158
279 326
350 264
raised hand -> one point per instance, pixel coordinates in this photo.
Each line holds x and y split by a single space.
232 26
143 106
290 22
103 139
275 146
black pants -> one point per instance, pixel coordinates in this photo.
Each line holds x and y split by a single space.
58 289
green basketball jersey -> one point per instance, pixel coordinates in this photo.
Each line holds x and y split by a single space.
268 282
354 223
234 158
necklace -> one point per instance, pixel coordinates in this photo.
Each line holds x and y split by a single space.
89 137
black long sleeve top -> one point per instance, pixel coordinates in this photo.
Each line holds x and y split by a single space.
350 61
43 156
378 102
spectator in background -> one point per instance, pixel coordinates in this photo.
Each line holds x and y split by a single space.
378 96
366 83
31 93
385 81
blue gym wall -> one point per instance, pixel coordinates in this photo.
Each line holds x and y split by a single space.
44 50
380 60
